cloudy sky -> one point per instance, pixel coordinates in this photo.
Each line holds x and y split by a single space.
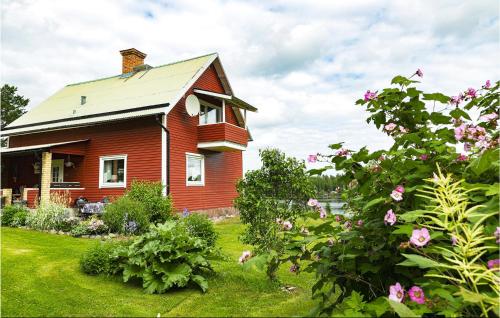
302 63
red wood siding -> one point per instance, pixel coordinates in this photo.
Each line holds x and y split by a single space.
222 169
222 132
139 139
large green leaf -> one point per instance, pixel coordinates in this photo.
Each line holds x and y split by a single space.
200 281
374 202
401 309
420 261
437 97
484 162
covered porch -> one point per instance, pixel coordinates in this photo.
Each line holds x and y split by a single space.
31 174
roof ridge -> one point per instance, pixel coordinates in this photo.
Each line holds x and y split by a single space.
163 65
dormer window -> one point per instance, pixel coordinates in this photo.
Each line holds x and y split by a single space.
210 114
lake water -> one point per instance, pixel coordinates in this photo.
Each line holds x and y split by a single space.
334 204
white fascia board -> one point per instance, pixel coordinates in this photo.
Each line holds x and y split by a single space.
227 144
214 94
82 122
191 82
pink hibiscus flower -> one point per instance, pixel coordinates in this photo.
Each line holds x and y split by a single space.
312 158
420 237
390 217
417 295
396 292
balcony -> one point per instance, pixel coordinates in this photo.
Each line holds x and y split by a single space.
222 137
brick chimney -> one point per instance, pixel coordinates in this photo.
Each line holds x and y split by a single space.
131 58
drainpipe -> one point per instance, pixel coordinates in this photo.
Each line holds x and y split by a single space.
158 121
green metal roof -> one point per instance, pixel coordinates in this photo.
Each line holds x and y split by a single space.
158 85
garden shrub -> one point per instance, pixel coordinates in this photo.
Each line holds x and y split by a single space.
19 219
158 207
98 259
67 223
126 216
199 225
48 216
80 230
269 200
367 251
166 256
8 213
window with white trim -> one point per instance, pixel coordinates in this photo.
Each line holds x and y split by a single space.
210 114
113 171
195 169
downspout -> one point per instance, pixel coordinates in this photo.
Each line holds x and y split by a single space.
158 121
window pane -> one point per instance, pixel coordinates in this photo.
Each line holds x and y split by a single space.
114 171
194 169
210 115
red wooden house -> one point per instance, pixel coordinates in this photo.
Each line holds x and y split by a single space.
178 123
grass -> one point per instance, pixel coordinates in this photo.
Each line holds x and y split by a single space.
41 277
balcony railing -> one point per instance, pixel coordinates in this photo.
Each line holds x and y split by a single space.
222 137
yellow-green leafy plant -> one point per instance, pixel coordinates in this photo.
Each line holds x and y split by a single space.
461 257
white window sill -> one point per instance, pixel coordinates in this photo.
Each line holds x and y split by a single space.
110 185
189 184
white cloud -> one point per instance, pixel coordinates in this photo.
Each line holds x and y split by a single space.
302 63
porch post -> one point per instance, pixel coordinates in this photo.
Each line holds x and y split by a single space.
46 175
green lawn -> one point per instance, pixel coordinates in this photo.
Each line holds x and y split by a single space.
41 277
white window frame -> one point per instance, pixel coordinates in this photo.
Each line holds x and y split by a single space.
103 184
207 104
202 181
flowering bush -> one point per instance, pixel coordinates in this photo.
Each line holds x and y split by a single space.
126 216
48 216
368 257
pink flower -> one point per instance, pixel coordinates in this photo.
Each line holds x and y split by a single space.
342 152
279 221
294 268
455 100
396 195
370 95
338 218
420 237
460 132
390 217
400 189
419 73
359 223
489 117
390 126
287 225
396 292
424 157
462 157
245 256
454 240
322 213
467 146
497 235
417 295
312 202
403 130
471 93
348 225
494 263
487 84
312 158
